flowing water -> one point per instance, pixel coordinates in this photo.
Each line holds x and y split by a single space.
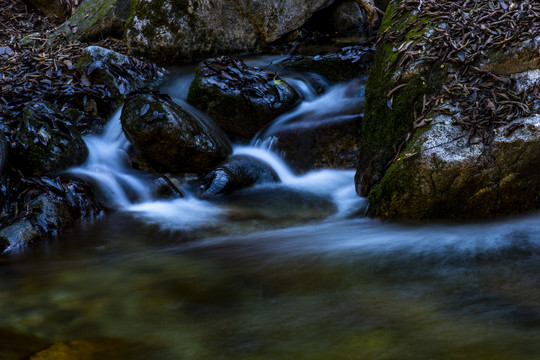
281 271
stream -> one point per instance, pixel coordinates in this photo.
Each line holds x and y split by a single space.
289 270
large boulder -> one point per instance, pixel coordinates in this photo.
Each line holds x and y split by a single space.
450 129
119 73
239 98
237 172
46 141
171 137
195 29
95 19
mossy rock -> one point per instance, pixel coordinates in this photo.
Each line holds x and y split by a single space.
387 119
242 100
121 74
439 176
95 19
46 142
171 137
417 160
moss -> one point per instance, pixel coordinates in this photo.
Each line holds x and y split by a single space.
87 15
387 119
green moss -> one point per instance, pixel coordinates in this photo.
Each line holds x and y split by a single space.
387 119
87 15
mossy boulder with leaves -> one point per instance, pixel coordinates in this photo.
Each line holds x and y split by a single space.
119 73
450 131
46 141
240 99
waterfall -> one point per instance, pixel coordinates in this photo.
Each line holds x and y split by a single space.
106 167
129 190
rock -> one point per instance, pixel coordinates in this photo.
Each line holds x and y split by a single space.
121 74
56 10
458 139
95 19
170 136
3 152
320 145
19 234
348 63
51 205
324 133
237 172
239 98
197 29
439 176
46 141
349 15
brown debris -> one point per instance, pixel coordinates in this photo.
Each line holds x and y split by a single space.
34 70
465 32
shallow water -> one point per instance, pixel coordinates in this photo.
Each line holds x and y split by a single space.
281 271
325 289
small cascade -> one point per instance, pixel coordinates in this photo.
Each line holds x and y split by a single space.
336 184
106 167
339 103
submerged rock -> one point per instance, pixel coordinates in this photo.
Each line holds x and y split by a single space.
46 141
17 345
94 349
170 136
95 19
237 172
239 98
121 74
348 63
455 139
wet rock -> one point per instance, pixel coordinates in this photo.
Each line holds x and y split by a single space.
121 74
237 172
47 207
46 141
320 145
56 10
239 98
348 63
349 15
95 19
457 139
19 234
170 136
189 31
3 152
